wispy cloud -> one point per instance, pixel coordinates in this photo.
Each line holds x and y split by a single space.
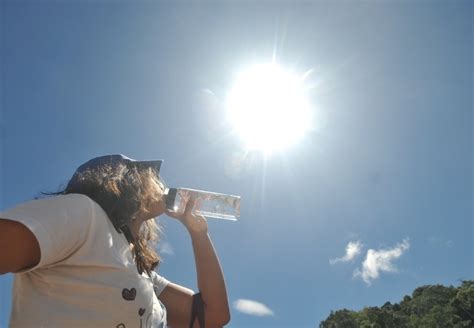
353 249
252 308
378 261
165 248
440 241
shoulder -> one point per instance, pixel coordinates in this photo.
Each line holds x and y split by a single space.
77 201
53 203
70 200
56 227
70 213
159 283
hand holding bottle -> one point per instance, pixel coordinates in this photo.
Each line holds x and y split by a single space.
195 223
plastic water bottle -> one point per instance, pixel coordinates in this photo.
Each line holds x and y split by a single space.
208 204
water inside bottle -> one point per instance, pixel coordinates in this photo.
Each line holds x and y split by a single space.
209 204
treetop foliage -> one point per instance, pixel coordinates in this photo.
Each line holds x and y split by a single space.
431 306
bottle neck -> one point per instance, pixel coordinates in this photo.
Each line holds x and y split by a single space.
170 197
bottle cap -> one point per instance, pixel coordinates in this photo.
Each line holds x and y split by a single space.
170 197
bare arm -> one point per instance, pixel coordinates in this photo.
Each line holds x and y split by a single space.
19 248
210 278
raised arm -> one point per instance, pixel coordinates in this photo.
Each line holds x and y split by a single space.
178 300
19 248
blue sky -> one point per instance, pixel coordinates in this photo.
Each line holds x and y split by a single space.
387 169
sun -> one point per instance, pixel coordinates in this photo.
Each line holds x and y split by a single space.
269 107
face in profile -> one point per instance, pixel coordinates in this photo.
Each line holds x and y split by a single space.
154 195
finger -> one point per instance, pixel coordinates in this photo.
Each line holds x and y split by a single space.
201 218
189 206
197 205
172 214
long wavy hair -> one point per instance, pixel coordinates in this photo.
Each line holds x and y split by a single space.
124 192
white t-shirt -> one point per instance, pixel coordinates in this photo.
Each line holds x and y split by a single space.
86 276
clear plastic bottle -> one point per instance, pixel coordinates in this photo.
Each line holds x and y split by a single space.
208 204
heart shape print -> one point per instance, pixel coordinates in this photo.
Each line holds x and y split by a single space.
141 311
129 294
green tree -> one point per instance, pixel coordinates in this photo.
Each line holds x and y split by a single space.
340 319
463 302
432 306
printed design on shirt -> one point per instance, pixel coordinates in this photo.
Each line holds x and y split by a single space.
148 322
129 294
141 312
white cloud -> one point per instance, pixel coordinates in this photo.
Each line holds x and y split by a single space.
352 250
165 248
378 261
252 308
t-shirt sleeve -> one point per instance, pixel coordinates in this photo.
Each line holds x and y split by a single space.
159 283
61 225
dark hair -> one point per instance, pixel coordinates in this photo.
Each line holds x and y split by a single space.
123 192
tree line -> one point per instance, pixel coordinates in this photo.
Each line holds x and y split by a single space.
430 306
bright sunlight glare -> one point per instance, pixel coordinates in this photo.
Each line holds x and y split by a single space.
269 108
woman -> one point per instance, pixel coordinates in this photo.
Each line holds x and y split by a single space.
85 257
